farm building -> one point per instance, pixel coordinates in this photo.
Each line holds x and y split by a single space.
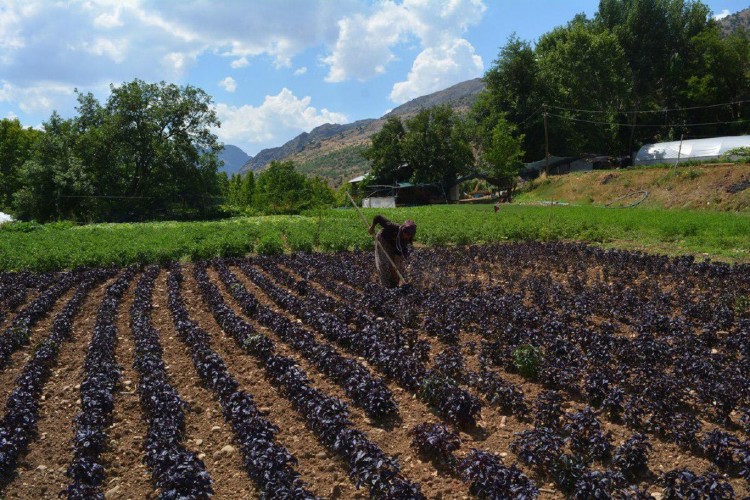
689 149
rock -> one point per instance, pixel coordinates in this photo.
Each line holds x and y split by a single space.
201 456
112 492
228 450
264 410
198 442
41 468
215 428
321 454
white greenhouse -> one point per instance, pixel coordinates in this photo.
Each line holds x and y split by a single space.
689 149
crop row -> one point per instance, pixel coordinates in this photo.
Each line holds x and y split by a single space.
383 346
652 378
366 391
19 331
326 416
18 424
268 463
177 471
101 375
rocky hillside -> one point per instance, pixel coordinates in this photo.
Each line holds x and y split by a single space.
738 20
333 151
234 159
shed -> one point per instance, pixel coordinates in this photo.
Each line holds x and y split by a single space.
5 218
689 149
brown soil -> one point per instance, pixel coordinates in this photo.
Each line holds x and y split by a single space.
41 474
206 432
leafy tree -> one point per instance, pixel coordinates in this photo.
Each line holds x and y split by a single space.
148 148
436 146
16 146
279 189
56 184
386 155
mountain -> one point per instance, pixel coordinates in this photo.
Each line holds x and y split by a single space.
333 151
735 21
234 158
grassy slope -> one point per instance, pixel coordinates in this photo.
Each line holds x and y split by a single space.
685 187
715 234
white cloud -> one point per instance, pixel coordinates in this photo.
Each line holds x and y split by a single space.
300 71
277 119
721 15
239 63
43 97
439 67
228 84
366 42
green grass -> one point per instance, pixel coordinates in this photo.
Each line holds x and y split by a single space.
56 246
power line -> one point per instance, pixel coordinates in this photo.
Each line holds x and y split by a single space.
643 111
644 125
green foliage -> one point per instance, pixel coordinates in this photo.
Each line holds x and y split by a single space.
280 189
148 150
739 155
16 146
436 146
56 246
526 359
645 55
270 244
387 163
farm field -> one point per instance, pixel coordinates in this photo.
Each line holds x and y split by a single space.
51 247
521 370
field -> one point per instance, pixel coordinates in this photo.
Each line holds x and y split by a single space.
52 247
521 370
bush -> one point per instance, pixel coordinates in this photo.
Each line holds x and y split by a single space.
270 244
526 359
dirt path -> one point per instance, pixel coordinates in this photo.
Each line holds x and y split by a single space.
127 475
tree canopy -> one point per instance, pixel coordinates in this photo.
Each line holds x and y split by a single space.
638 71
147 149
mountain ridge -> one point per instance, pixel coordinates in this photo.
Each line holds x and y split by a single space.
332 150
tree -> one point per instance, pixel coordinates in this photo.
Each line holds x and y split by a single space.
436 146
149 148
280 189
16 146
385 153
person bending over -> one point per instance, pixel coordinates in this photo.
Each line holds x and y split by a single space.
392 241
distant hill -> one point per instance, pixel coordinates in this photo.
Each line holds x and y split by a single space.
234 158
333 151
736 21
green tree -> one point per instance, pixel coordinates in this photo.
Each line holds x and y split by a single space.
280 189
16 146
436 146
387 164
55 182
150 147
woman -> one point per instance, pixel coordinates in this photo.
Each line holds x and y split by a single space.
392 241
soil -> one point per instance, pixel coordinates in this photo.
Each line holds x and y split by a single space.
41 472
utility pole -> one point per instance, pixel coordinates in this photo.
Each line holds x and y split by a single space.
546 142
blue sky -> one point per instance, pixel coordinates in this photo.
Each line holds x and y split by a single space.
275 68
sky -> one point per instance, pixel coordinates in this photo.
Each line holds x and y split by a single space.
274 68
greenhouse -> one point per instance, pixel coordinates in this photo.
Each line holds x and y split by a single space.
689 149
